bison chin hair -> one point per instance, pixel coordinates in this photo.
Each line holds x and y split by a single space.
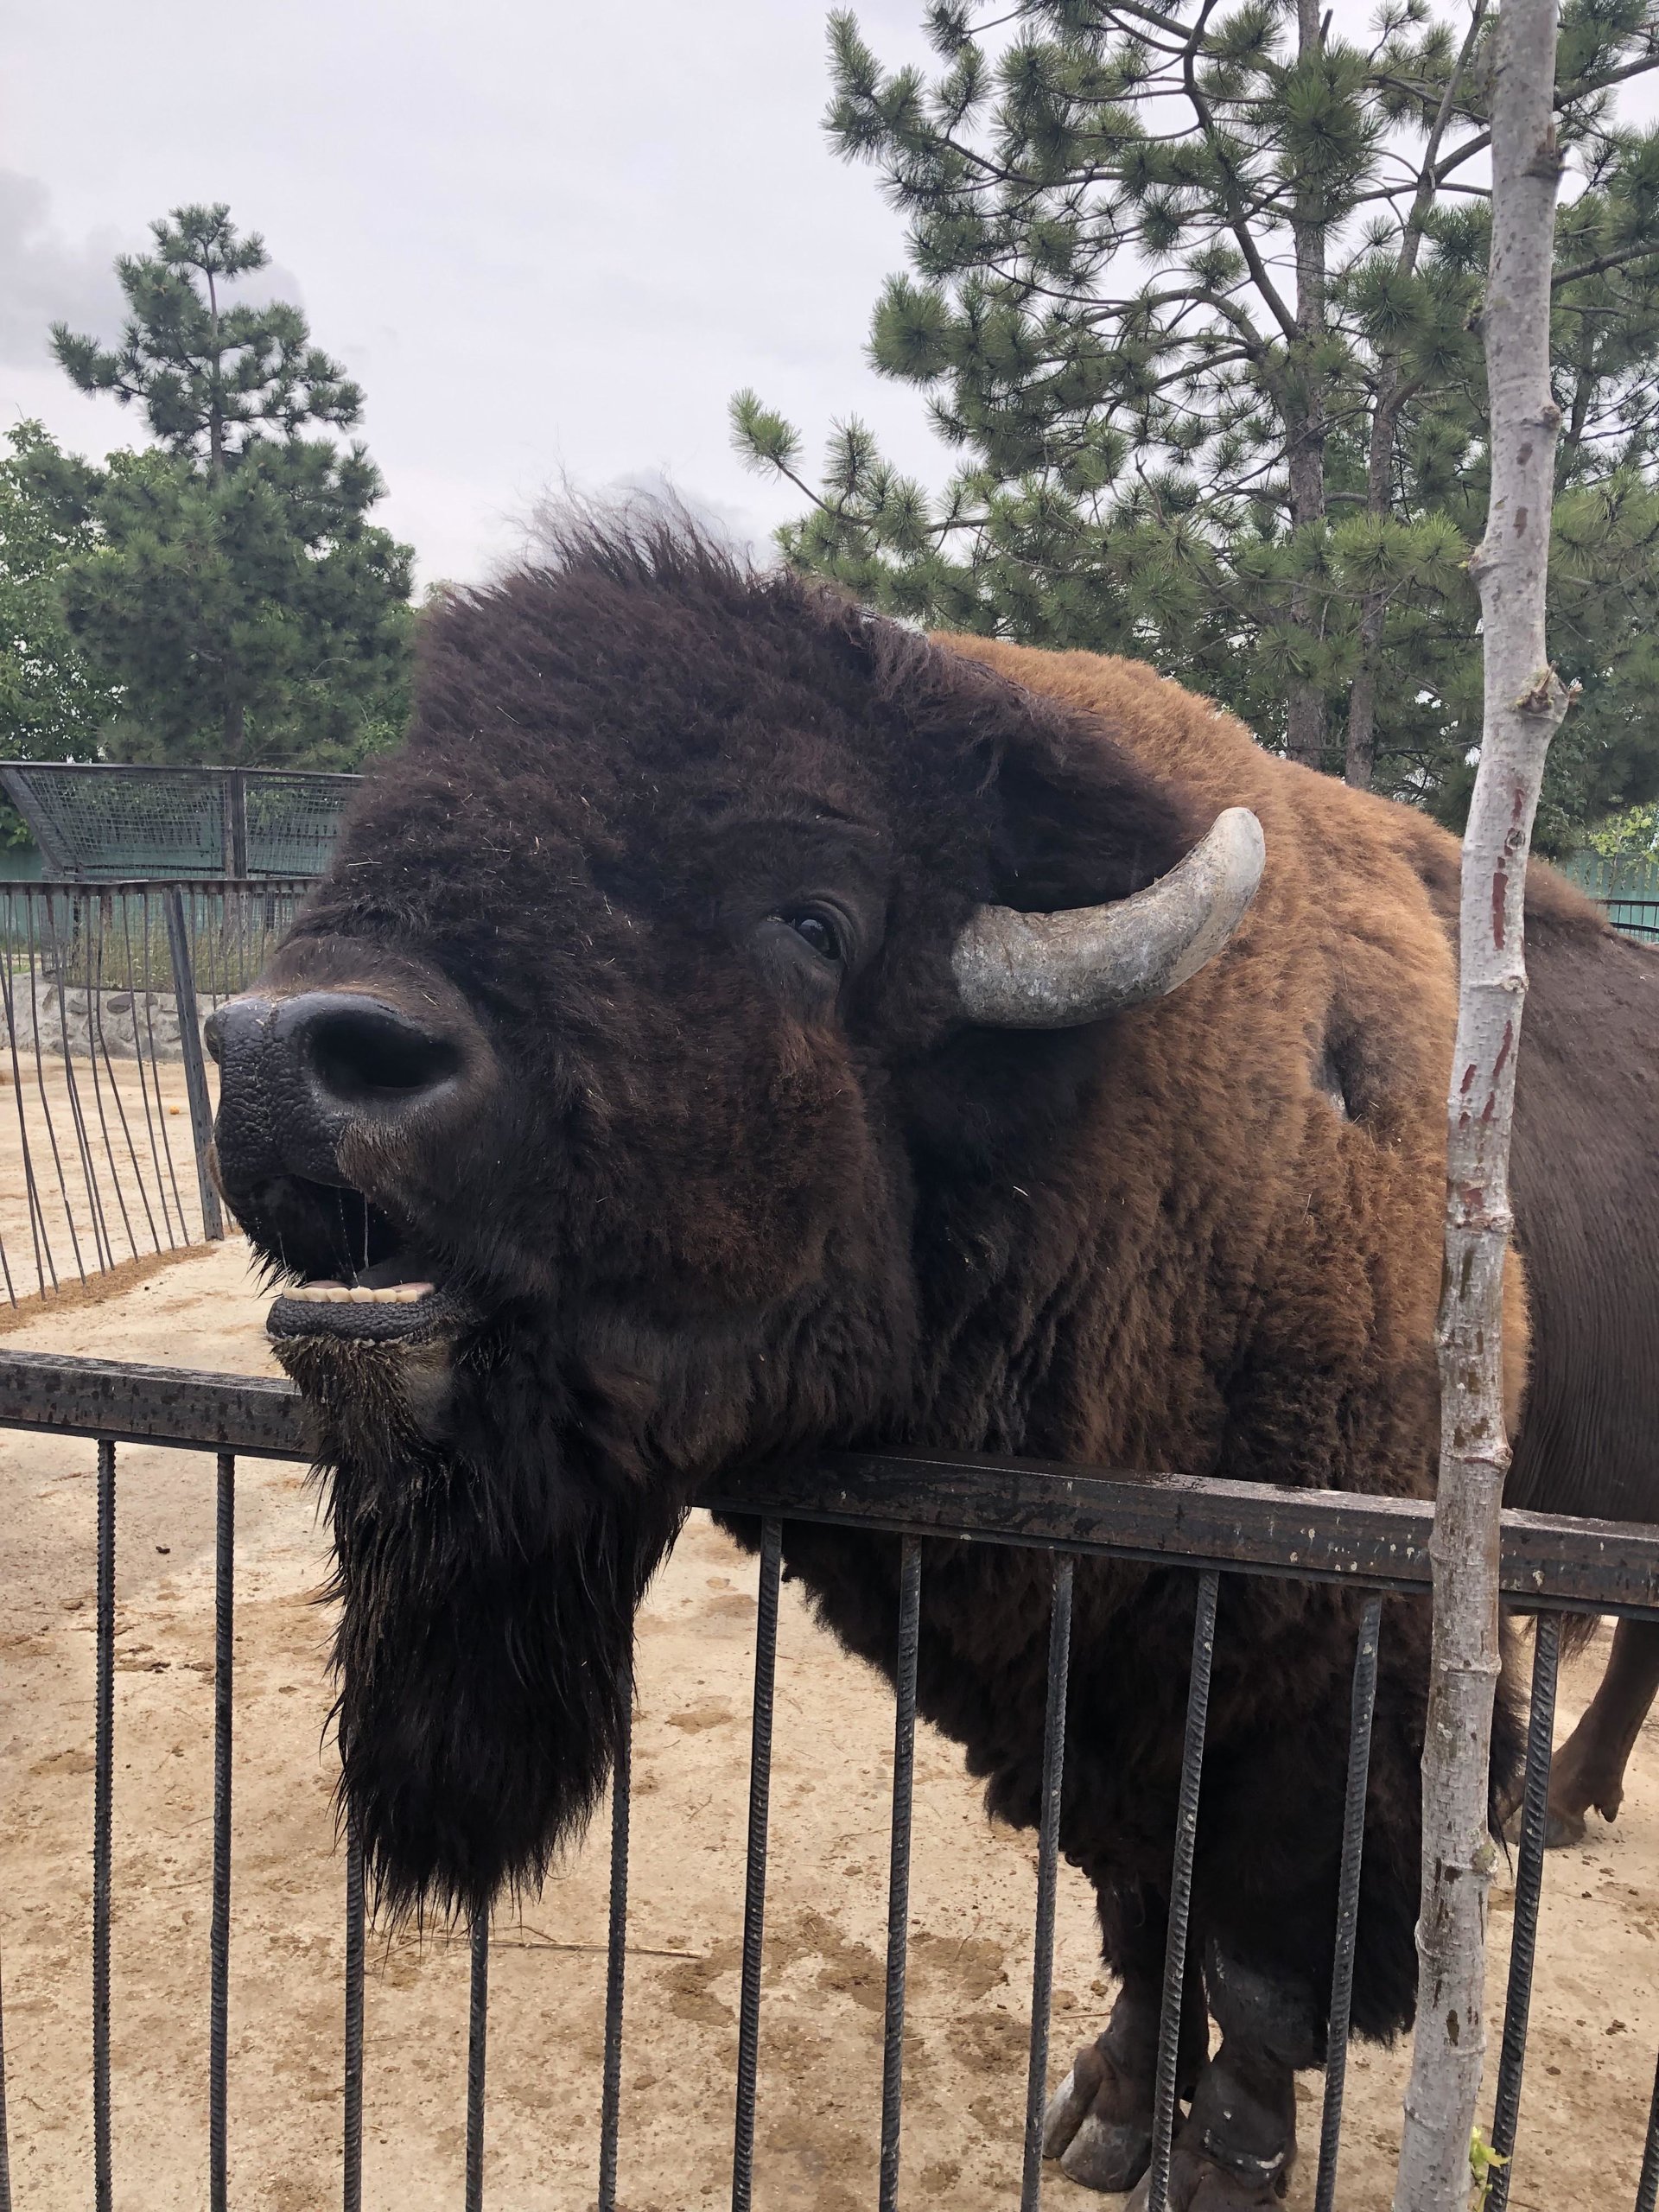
487 1586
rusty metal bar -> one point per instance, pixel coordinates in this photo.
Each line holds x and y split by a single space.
1529 1891
196 1067
5 2137
1200 1521
219 1937
1647 2188
478 2030
35 964
1048 1853
134 969
1362 1705
44 1263
1549 1561
352 2130
903 1778
1180 1890
102 1255
616 1957
155 1074
255 1416
103 1802
754 1887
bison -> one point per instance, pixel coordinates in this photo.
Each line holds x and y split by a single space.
734 1024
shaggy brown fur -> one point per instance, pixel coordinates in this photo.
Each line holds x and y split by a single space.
716 1183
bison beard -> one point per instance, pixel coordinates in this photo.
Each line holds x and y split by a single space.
487 1586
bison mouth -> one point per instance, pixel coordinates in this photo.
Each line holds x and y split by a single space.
373 1283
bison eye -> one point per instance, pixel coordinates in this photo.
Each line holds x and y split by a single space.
816 928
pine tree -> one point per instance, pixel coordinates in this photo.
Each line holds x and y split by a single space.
232 586
1195 295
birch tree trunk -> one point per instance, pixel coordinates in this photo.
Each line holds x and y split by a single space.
1524 703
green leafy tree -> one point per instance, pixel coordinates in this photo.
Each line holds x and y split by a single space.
51 706
230 583
1195 294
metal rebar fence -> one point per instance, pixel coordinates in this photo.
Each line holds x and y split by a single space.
105 1098
1208 1529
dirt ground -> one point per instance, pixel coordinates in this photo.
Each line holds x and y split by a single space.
1596 2010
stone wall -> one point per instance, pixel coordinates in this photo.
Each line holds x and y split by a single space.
124 1023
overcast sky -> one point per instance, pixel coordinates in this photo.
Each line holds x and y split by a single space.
547 237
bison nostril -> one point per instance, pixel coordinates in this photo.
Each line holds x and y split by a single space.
371 1055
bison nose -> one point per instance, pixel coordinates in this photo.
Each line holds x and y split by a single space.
298 1075
361 1058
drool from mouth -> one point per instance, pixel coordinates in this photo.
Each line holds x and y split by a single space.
391 1295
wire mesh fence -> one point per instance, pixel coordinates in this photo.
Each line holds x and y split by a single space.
1636 918
105 822
1201 1531
105 1094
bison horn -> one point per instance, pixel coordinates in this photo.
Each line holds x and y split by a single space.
1054 971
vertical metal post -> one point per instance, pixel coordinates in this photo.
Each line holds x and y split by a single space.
195 1069
616 1959
103 1799
351 2159
64 960
219 1937
478 2029
236 799
38 973
1180 1890
5 2137
1363 1706
1647 2189
1529 1891
1048 1849
904 1777
754 1886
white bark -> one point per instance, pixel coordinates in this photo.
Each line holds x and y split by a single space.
1524 703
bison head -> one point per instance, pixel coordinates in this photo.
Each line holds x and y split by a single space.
614 1112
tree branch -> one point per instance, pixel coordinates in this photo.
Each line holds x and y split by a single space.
1622 260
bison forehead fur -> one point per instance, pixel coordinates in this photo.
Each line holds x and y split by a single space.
730 1185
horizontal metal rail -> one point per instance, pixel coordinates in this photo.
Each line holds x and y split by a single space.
1548 1561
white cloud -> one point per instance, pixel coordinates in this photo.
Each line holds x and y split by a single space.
45 278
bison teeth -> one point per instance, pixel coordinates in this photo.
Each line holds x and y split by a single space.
336 1293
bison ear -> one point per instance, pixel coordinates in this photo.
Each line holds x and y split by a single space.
1076 821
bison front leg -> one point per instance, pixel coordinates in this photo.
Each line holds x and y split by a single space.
1589 1769
1099 2121
1238 2145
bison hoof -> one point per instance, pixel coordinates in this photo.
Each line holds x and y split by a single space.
1563 1825
1109 2155
1065 2112
1561 1828
1097 2149
1199 2184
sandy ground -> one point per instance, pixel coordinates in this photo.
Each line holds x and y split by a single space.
114 1172
1596 2011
